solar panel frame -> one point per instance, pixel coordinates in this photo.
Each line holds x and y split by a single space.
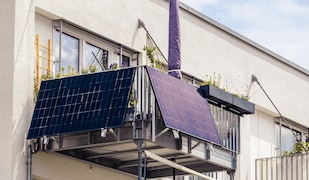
82 103
182 107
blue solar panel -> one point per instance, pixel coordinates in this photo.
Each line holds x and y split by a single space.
182 107
82 103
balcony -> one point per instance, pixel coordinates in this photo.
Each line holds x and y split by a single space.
146 129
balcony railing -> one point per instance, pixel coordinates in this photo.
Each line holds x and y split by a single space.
292 167
228 127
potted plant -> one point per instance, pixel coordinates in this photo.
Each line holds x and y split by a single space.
230 101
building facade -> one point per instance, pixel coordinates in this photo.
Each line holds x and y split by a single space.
110 31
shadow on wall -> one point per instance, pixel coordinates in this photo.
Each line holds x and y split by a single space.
19 139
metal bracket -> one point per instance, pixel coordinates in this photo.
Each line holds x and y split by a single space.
114 134
190 147
162 132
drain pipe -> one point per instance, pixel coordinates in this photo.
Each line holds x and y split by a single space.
29 162
30 151
231 173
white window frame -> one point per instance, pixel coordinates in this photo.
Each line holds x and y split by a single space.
282 124
115 50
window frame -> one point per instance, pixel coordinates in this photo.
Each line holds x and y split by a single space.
85 36
84 49
280 123
58 61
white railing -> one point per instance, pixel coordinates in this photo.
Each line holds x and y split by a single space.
292 167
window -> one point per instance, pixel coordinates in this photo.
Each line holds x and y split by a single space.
125 61
69 53
287 139
78 50
96 59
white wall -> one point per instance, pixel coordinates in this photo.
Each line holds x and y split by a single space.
51 166
16 90
6 89
257 140
43 27
212 50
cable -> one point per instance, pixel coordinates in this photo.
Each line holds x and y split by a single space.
254 79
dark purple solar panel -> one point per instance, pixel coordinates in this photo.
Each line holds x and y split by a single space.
82 103
182 107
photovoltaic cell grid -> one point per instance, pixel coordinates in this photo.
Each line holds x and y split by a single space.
182 107
82 103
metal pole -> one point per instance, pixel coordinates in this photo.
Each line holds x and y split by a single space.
29 163
256 169
231 173
120 56
60 46
140 159
174 170
280 136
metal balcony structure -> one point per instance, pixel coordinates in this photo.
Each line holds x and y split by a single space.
148 131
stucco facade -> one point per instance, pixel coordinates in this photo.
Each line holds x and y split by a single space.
207 47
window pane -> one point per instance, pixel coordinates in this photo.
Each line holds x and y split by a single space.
69 53
96 59
287 138
125 61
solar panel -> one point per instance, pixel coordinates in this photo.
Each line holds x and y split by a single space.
182 107
82 103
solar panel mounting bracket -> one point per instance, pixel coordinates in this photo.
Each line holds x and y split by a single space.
56 140
114 134
176 134
103 132
162 132
190 147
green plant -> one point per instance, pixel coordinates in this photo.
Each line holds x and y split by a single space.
85 71
36 90
93 69
132 99
287 153
154 62
70 72
244 97
300 146
150 54
113 66
214 80
90 69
